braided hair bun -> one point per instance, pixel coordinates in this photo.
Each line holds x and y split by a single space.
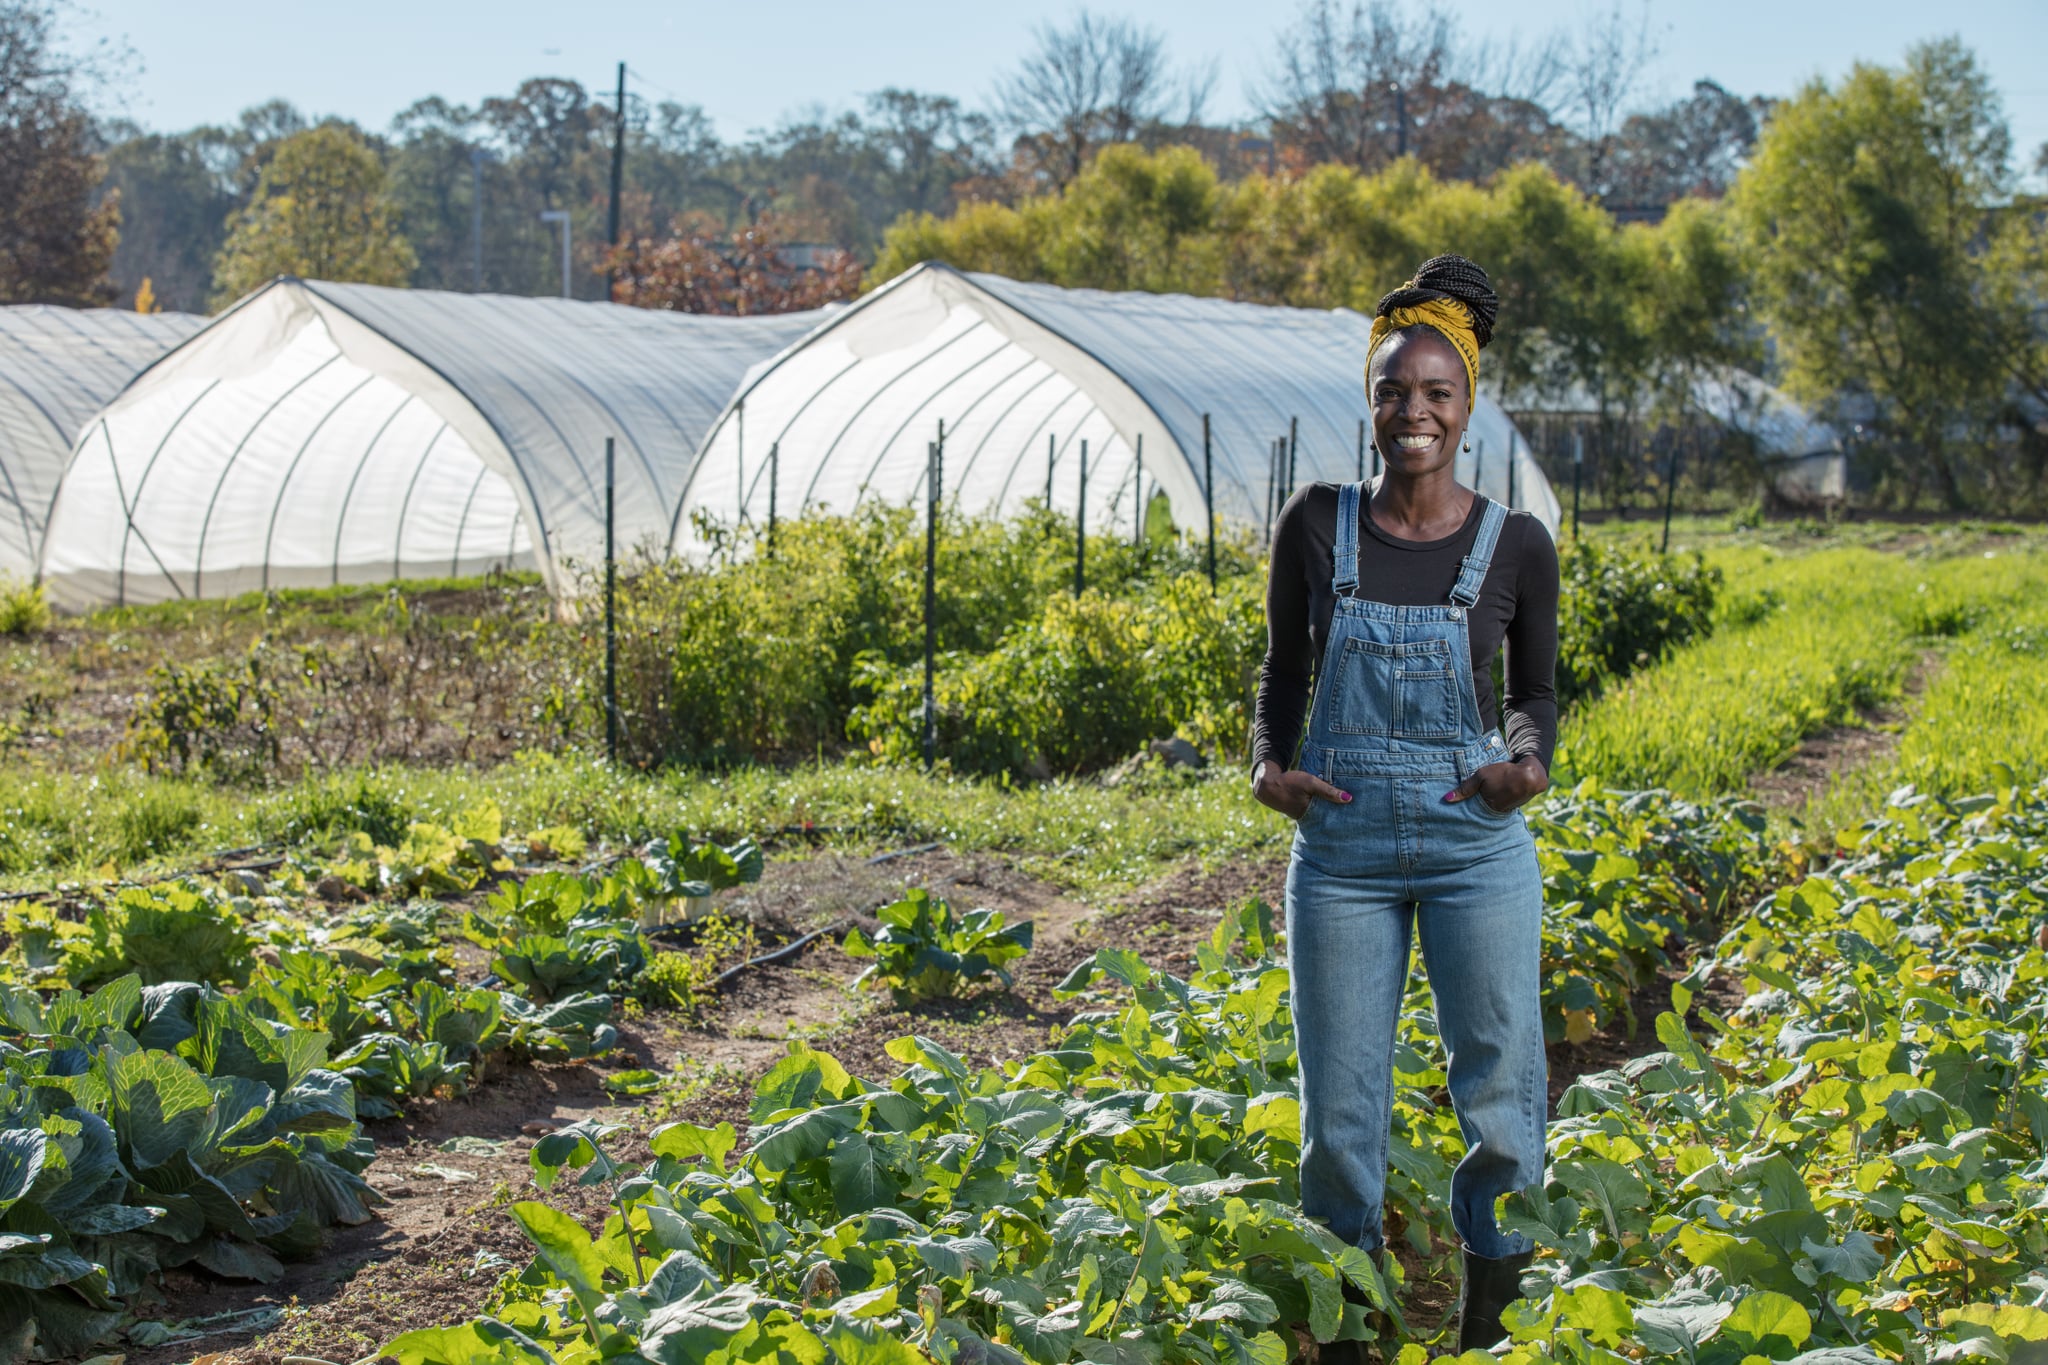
1453 278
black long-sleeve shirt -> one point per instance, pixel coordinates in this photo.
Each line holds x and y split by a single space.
1517 603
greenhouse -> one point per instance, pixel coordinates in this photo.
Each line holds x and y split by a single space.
319 434
58 368
1097 400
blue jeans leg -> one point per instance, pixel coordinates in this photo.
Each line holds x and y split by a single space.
1482 941
1347 956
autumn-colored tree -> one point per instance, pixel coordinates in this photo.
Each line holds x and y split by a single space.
57 235
755 270
320 210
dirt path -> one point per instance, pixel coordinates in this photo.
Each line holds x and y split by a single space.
1824 756
438 1247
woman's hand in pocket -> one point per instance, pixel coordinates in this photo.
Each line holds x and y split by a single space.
1289 791
1503 787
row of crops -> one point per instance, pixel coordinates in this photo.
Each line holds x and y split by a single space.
185 1067
1835 1151
1847 1164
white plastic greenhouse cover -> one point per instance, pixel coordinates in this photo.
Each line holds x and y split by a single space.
1023 374
58 367
322 433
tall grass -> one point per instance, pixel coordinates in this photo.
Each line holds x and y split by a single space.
1805 643
57 826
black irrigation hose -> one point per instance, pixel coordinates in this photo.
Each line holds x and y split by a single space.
796 946
785 952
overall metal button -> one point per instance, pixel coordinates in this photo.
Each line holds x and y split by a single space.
1457 614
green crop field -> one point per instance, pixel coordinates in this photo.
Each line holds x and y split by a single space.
352 1006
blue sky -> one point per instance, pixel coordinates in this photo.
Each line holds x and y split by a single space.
748 65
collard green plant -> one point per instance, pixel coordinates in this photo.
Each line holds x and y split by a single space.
924 951
148 1127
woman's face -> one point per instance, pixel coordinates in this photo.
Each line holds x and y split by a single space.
1418 403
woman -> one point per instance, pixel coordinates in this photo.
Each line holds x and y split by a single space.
1391 608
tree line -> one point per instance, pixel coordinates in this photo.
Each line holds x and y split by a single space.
1861 242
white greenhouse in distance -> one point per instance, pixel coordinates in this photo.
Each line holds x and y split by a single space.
58 368
1022 374
318 434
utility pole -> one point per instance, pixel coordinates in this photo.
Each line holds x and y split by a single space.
477 157
618 177
560 216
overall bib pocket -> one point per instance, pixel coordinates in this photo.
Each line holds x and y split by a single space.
1402 690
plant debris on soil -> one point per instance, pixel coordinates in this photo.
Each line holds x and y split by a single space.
449 1169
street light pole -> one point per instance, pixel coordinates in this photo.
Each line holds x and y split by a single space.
560 216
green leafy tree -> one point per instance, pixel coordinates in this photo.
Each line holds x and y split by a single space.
1864 216
321 210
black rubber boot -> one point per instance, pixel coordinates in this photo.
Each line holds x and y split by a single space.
1490 1286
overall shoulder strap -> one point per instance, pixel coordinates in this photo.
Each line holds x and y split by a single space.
1472 572
1346 559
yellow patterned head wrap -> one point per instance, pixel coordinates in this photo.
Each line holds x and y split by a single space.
1447 316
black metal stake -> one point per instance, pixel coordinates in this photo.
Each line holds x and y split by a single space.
1081 527
611 636
1293 449
1511 475
1209 498
774 471
1138 489
1578 463
1670 492
1052 454
931 580
1361 450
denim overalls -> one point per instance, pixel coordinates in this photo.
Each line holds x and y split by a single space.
1396 724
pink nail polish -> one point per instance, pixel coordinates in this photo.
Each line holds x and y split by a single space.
1450 796
1346 796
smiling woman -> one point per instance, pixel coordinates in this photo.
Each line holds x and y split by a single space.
1386 605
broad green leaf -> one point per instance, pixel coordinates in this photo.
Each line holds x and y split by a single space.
482 1342
2015 1321
1761 1317
160 1106
21 1161
683 1141
1602 1314
859 1180
566 1249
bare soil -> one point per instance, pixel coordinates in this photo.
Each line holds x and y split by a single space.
1823 756
437 1248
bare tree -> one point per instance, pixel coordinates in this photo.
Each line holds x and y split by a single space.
1605 72
57 235
1343 78
1378 79
1095 82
